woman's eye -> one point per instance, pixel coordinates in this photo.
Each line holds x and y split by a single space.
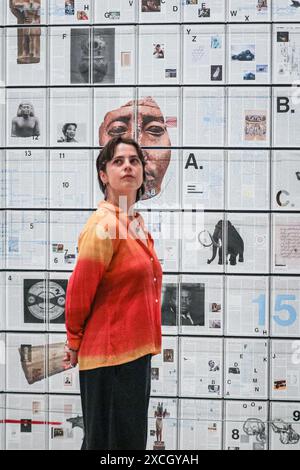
118 161
156 130
117 130
135 161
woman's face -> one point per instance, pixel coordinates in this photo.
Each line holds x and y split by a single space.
70 132
124 173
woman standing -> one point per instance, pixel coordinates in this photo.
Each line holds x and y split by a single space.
113 314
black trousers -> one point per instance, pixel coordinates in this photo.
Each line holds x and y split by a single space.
115 404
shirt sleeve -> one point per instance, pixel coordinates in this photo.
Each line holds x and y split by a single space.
95 251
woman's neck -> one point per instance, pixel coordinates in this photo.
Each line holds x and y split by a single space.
125 203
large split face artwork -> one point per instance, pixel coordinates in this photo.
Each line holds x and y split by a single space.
146 117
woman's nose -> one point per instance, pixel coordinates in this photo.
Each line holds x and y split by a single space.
127 164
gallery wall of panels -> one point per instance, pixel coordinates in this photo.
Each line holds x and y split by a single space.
210 91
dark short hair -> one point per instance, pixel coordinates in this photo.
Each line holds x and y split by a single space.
107 154
65 126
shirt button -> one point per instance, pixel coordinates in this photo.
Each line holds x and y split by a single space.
154 279
156 300
152 259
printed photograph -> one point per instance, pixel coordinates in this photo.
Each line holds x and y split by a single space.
192 298
168 355
56 300
57 247
100 47
27 12
120 121
69 7
216 42
154 373
71 132
204 12
283 36
262 68
280 385
216 73
126 59
68 133
25 123
245 54
151 6
215 307
69 258
249 75
103 53
35 301
80 55
214 324
255 125
159 51
169 305
82 15
26 425
262 5
171 73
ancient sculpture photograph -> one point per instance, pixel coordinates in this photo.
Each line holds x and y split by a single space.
93 57
25 124
28 13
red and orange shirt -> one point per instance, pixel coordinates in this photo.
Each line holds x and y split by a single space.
113 302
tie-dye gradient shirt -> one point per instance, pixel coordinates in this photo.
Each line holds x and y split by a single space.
113 302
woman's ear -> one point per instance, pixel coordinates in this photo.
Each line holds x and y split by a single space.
103 176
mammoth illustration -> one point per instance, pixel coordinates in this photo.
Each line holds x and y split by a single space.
234 243
287 434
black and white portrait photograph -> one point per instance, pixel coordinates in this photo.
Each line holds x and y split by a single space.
170 305
192 298
68 133
70 117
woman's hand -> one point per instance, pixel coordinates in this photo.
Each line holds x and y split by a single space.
71 356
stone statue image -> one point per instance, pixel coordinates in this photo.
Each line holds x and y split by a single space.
28 12
25 124
100 63
160 413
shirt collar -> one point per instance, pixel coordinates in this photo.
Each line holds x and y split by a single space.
115 209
